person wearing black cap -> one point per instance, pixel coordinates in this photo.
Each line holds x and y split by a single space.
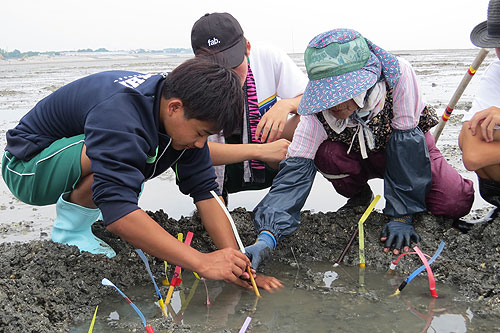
480 136
273 86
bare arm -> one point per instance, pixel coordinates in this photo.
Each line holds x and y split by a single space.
222 154
273 122
476 152
142 232
216 223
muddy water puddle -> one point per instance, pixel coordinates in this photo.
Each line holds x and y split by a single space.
316 299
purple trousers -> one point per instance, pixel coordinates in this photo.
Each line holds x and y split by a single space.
450 195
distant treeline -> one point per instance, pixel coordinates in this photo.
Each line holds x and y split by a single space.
16 54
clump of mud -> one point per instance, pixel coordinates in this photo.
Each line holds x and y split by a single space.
47 287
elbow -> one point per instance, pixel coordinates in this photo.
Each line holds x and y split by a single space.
471 162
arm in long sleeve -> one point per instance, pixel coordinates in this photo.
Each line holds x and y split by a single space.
408 177
279 210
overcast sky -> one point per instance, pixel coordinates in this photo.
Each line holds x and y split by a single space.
56 25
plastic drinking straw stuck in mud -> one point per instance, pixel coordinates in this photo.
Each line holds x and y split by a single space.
458 93
238 239
160 299
392 266
244 328
106 282
419 270
361 230
93 320
206 289
165 281
176 280
430 275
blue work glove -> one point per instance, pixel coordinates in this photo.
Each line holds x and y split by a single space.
262 248
398 233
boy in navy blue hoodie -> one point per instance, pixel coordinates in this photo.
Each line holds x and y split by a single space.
89 147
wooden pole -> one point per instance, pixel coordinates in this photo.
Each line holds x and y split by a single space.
458 93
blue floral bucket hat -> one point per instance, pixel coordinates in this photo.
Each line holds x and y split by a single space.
342 64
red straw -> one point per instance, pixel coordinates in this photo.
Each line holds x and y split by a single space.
432 282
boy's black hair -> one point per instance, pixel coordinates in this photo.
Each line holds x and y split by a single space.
209 92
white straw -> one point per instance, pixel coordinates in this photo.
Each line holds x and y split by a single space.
244 328
235 231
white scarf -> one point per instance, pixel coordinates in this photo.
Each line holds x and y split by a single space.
369 106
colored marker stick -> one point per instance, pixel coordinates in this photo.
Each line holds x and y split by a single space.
419 270
160 299
238 239
176 280
106 282
244 328
432 282
91 328
361 231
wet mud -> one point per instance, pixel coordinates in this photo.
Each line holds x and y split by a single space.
49 287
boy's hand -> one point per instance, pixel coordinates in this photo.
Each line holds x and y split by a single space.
227 264
269 283
487 120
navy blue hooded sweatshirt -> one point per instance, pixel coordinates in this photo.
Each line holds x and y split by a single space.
118 112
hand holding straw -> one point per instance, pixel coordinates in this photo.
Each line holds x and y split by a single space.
362 231
238 239
106 282
160 299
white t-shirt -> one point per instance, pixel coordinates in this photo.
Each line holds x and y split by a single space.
276 75
489 91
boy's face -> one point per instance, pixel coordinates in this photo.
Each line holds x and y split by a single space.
242 70
185 133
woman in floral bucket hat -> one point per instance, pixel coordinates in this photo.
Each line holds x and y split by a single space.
362 117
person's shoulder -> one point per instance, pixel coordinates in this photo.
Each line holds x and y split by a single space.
403 63
493 68
266 49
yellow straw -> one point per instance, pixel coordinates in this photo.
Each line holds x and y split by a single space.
171 288
362 279
169 294
165 281
93 320
162 307
361 231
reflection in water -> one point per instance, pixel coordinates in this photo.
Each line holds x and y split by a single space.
448 323
318 299
329 277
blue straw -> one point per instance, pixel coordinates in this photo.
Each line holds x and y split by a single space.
145 260
106 282
422 268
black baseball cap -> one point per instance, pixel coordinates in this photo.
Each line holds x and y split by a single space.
219 34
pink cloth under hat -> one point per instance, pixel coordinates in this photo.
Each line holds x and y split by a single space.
342 64
487 33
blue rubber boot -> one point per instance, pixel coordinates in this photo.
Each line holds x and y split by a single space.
73 226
